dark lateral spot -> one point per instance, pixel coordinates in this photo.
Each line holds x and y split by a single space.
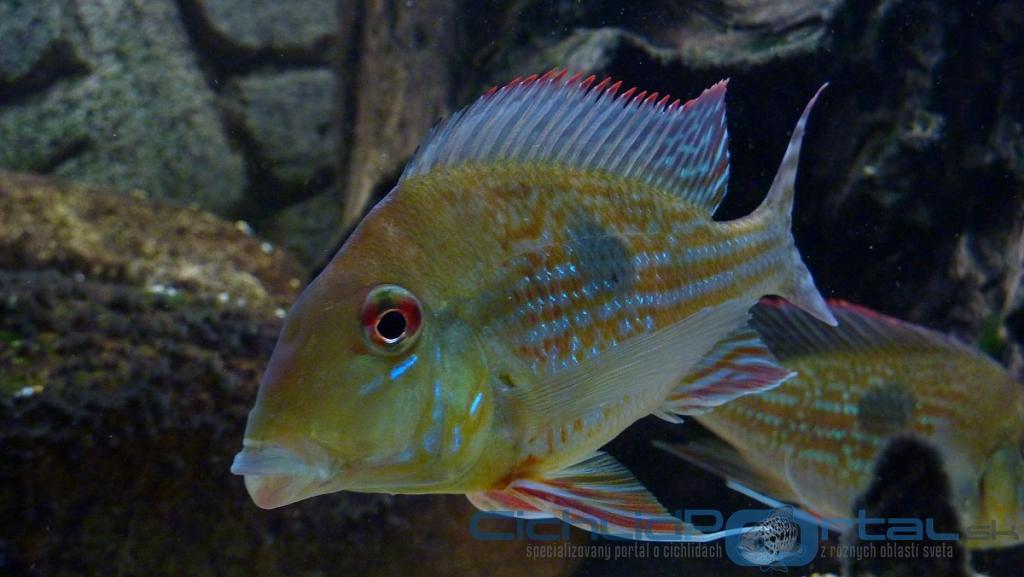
601 255
885 410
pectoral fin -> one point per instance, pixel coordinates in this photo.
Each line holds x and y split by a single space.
646 362
738 365
598 495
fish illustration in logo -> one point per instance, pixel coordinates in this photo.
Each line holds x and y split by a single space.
772 541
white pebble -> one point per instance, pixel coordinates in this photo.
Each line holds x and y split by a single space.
243 227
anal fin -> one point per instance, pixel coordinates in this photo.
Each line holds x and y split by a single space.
723 460
719 458
799 513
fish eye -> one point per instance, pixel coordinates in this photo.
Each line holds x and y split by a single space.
391 319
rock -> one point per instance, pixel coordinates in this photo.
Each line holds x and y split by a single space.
142 117
34 42
733 34
288 117
269 25
741 33
121 407
404 82
127 239
925 185
306 228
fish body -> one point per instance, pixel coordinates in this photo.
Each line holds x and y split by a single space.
814 441
545 273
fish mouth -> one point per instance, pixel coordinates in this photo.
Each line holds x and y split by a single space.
276 476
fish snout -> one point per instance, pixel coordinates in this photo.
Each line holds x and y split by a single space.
276 476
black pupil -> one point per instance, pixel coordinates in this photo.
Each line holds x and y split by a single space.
391 325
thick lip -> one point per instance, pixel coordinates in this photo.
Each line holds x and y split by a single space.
267 460
276 476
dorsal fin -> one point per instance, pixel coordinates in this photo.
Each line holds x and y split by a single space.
555 118
790 332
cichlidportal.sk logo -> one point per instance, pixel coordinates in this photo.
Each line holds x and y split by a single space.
765 538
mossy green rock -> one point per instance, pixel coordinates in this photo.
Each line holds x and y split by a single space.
34 34
97 123
271 24
289 117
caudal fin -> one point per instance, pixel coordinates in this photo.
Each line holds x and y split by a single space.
777 208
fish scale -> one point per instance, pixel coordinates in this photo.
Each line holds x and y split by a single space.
712 265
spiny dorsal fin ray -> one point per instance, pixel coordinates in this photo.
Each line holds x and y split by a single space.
555 118
789 332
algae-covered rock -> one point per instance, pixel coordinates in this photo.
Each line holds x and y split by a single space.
271 24
289 118
35 43
127 239
121 407
307 228
141 116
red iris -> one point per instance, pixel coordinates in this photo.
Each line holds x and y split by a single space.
391 317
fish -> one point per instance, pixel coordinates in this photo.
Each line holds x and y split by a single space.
872 380
772 541
545 272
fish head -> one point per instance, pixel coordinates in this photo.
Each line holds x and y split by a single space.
372 386
1001 495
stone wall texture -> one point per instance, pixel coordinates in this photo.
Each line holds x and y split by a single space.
227 104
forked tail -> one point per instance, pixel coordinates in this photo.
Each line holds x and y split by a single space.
777 208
